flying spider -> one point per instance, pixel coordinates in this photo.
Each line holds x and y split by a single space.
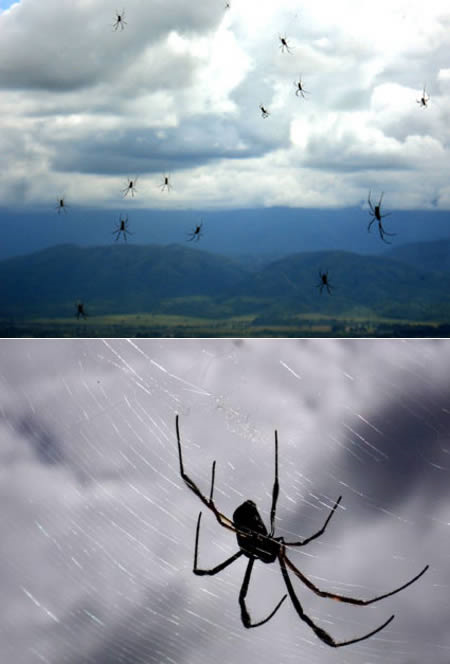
284 46
324 283
81 311
196 233
165 184
299 88
264 112
423 101
122 227
256 543
131 187
120 20
61 205
375 213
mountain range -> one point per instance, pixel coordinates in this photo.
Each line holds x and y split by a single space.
409 282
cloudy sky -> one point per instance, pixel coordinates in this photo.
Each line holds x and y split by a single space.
98 527
84 107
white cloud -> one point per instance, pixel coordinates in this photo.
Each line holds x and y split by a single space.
84 106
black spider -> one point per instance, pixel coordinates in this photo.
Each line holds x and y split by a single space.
324 283
165 184
375 212
122 227
61 205
264 112
256 543
196 233
284 46
423 101
120 20
131 187
81 311
298 85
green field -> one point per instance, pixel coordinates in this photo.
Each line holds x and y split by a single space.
161 325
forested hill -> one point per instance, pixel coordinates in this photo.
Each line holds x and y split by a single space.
132 278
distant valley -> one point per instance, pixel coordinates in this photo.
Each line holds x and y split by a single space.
408 283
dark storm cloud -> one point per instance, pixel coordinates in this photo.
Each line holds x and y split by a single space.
194 142
83 48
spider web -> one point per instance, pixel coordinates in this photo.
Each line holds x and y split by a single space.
98 527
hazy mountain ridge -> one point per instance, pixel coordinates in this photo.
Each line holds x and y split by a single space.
178 279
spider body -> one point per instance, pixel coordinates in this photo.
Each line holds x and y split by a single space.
257 543
264 112
300 89
196 233
61 206
122 229
165 184
375 212
284 46
423 101
80 311
130 188
252 535
120 21
324 283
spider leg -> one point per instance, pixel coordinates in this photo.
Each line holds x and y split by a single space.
344 598
321 633
217 568
370 223
245 616
275 490
221 518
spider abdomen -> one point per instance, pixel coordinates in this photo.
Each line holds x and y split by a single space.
252 536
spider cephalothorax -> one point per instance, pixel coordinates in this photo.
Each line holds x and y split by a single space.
375 213
257 543
251 533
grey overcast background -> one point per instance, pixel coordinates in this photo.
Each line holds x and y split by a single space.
84 108
98 527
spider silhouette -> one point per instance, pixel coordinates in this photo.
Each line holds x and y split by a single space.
61 205
423 101
81 311
165 184
324 283
257 543
196 233
131 187
122 227
120 20
375 212
284 46
298 85
264 112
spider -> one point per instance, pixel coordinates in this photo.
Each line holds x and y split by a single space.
299 88
324 282
81 311
264 112
376 215
122 227
120 20
131 186
257 543
165 184
196 233
423 101
61 205
227 5
284 45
